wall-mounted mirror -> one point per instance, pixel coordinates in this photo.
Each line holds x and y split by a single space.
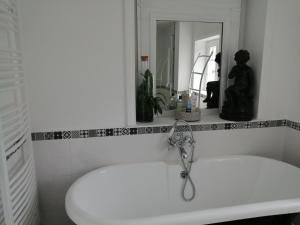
188 61
189 46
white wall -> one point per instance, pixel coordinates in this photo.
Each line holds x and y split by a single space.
164 56
279 90
290 51
186 35
73 53
74 64
206 30
292 147
254 35
286 68
184 52
271 31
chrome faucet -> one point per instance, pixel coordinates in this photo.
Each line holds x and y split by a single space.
178 138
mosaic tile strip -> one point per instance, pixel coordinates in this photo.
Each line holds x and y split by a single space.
293 125
110 132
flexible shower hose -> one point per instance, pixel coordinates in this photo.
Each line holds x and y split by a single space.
187 179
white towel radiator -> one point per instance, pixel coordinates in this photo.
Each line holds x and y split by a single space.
18 192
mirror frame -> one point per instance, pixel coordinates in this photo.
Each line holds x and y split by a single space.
228 14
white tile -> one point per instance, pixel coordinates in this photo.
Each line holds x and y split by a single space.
292 147
52 159
89 154
92 153
266 142
52 193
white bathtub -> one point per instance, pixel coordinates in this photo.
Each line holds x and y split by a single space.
228 188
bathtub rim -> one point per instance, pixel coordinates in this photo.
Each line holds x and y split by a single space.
207 216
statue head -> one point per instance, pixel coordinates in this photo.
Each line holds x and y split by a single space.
242 57
218 58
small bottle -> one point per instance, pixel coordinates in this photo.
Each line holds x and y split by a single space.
172 102
189 106
185 98
180 104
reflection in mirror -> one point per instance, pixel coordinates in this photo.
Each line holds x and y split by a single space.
188 62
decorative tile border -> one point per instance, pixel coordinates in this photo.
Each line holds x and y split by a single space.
293 125
109 132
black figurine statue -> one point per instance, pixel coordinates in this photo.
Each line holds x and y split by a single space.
213 87
238 105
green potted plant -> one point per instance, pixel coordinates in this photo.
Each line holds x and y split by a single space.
146 104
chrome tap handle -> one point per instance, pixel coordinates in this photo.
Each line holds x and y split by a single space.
183 153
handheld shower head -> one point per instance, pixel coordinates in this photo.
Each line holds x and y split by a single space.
170 136
172 132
